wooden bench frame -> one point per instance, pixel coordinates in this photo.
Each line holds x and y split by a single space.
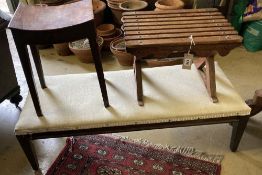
239 124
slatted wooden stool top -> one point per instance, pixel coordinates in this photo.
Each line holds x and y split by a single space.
173 27
161 33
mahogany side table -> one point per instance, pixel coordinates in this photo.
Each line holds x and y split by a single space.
35 25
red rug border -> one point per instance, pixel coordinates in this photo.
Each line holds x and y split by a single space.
66 148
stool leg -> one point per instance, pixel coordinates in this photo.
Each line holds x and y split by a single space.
38 65
98 65
25 61
139 84
28 148
210 78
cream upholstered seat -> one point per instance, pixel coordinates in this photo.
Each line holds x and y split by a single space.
175 95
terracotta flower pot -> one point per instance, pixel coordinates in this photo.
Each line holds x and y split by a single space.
98 8
83 51
108 39
169 4
114 4
117 47
105 30
133 5
62 49
117 13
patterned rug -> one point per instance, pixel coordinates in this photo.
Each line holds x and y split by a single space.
114 155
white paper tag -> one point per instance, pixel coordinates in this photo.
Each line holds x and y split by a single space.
188 61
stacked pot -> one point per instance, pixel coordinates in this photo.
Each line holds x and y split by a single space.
98 8
118 48
82 50
169 5
119 6
109 33
116 10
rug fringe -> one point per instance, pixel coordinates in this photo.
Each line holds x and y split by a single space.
185 151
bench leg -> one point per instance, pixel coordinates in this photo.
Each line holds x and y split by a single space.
208 75
38 65
139 85
28 148
237 132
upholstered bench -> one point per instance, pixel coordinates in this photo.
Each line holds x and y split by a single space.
177 97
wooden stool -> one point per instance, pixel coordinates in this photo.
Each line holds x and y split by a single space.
161 33
33 25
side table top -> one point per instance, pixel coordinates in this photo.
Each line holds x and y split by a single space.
41 18
174 27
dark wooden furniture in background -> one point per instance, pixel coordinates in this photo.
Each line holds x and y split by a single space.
161 33
9 88
33 25
239 124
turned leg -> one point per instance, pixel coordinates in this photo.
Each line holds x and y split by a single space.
97 60
25 61
237 132
139 85
38 65
28 148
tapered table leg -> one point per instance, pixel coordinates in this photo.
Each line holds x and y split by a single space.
25 61
98 65
38 65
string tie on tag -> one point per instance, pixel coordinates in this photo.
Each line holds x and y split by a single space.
192 42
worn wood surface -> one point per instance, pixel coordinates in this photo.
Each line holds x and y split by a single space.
173 27
33 18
